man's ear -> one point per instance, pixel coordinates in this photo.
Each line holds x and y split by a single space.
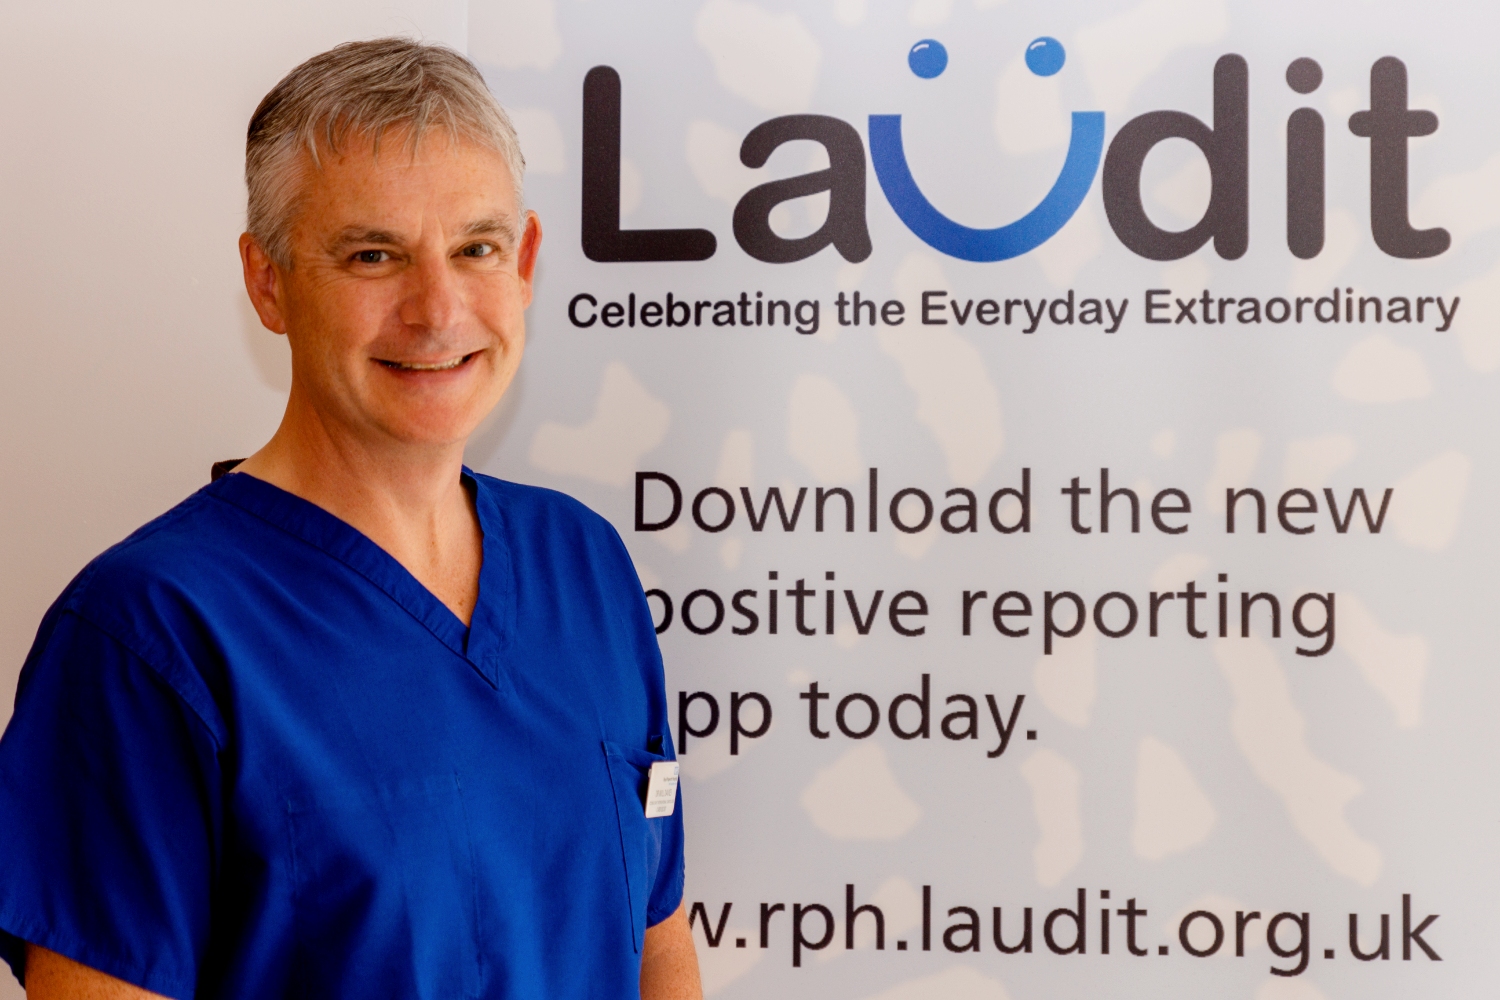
526 253
262 283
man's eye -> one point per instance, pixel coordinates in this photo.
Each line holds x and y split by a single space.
371 256
478 250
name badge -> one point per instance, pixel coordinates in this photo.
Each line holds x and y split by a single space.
661 791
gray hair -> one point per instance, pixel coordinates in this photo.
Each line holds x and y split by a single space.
364 89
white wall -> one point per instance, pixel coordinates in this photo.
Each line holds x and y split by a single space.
131 355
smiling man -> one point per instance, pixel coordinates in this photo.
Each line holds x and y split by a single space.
353 721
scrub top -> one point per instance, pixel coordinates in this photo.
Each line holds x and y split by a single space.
252 756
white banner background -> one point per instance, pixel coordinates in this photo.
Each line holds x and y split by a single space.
1224 775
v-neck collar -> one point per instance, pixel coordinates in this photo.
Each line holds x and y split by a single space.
482 643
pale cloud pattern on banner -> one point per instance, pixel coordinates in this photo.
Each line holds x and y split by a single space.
1235 455
1288 989
849 276
1184 193
844 635
1171 812
957 983
1311 461
514 34
1429 500
901 903
804 216
1029 115
1065 680
1478 322
736 461
822 430
1175 572
1468 202
1009 510
849 12
1272 734
721 966
1379 370
929 13
858 798
956 400
541 140
677 538
770 60
713 155
915 546
707 757
1394 665
632 187
1077 243
1188 273
1120 52
736 469
650 579
1344 101
1054 783
627 423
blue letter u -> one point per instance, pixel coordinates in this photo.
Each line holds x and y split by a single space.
985 245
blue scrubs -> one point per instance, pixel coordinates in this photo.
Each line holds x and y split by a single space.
253 757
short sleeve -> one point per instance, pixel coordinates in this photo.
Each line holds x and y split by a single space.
109 814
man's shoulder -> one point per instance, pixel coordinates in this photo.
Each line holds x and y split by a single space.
160 561
144 595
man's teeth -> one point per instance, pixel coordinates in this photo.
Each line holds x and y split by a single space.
412 366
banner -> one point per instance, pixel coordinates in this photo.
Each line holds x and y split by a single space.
1056 443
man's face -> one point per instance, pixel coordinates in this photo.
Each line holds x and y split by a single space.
405 301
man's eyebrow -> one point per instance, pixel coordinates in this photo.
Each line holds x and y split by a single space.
499 226
356 235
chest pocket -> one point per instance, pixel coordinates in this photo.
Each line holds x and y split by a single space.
640 838
386 898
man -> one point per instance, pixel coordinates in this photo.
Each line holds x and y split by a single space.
352 721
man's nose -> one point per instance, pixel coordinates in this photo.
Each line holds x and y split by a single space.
434 298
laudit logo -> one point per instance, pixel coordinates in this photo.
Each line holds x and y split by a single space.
1225 145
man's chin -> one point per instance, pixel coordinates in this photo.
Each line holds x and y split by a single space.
430 426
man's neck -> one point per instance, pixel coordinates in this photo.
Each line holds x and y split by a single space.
407 499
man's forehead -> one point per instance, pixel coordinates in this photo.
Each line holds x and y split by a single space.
364 191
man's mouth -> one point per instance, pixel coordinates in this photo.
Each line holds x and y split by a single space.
417 366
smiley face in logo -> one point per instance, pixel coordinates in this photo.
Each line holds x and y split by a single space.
928 59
